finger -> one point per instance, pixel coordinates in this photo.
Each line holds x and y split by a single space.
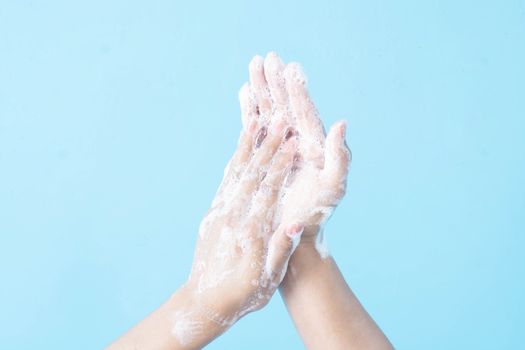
240 158
259 86
303 109
248 105
274 179
244 145
274 74
280 249
337 159
264 152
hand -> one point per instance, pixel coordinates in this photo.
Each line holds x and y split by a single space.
243 249
318 181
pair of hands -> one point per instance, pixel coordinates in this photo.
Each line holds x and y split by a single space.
283 181
262 230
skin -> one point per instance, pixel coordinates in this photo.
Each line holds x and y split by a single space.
314 290
260 234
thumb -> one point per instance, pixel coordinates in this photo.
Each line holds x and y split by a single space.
337 156
280 248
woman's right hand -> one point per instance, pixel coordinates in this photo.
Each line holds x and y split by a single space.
243 246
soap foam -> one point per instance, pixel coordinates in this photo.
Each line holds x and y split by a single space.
321 246
186 327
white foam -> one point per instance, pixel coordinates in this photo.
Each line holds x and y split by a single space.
186 327
321 246
295 242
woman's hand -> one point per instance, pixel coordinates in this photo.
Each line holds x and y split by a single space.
318 181
243 245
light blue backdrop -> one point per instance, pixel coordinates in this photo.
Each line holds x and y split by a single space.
117 118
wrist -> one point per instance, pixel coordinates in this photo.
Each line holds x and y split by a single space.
217 303
195 322
304 262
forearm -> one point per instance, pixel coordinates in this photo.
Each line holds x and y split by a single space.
325 311
178 324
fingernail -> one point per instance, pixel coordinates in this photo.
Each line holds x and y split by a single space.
289 133
261 136
295 231
343 129
256 62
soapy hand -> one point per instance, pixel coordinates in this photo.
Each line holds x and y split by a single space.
243 248
320 170
283 182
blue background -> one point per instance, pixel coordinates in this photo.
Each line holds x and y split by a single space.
117 118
